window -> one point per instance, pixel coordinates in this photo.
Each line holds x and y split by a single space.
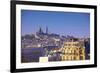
80 51
81 57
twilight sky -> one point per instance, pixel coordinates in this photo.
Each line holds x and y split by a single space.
63 23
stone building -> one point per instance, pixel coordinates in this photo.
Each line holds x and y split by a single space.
73 50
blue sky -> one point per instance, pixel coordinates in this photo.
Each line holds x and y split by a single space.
63 23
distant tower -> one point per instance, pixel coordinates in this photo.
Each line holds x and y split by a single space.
40 30
46 30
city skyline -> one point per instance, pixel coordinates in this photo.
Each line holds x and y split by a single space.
62 23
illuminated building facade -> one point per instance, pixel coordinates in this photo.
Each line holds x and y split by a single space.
73 50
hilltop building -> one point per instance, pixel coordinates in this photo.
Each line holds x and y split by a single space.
40 31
